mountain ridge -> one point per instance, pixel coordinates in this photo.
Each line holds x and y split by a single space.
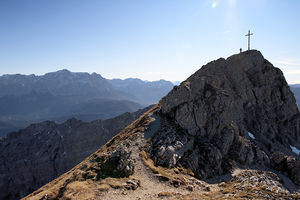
225 132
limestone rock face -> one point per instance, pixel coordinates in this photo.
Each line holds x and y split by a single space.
41 152
234 111
124 164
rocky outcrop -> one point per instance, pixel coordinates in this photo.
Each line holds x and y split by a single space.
287 165
41 152
116 164
232 112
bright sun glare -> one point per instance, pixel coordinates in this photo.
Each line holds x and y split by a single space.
214 4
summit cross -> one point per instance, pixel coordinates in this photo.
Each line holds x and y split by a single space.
248 35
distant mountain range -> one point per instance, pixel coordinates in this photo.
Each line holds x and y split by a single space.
296 90
61 95
143 91
295 85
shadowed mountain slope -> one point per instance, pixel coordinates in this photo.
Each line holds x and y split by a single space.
33 156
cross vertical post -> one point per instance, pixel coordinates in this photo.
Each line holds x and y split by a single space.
248 35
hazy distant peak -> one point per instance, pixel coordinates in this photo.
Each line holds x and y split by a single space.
66 73
63 71
146 91
97 75
176 82
59 73
16 75
295 85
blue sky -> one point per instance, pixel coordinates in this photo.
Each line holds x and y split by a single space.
147 39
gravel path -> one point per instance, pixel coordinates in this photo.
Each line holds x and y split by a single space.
150 185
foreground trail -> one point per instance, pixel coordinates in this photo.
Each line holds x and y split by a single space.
154 182
150 185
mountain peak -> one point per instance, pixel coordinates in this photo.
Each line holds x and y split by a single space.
233 64
233 124
225 103
63 71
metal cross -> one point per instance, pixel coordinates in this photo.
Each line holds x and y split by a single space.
249 39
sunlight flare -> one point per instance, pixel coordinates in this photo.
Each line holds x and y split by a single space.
214 4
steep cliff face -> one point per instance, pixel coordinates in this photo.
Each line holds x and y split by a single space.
233 112
41 152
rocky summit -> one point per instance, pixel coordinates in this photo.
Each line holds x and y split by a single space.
230 131
237 111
